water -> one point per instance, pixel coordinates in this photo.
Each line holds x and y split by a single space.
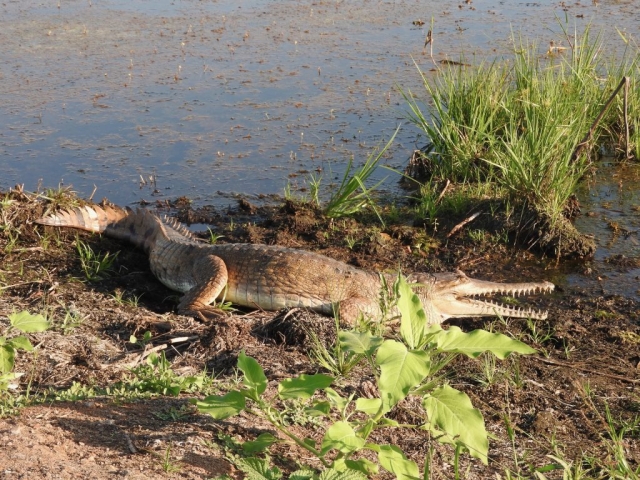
213 98
611 212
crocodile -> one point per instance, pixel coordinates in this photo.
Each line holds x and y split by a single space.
273 277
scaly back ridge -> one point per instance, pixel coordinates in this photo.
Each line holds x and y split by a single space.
174 224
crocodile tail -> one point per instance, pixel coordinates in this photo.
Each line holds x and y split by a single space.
139 227
92 218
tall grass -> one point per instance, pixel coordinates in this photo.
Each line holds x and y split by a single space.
549 110
466 119
517 123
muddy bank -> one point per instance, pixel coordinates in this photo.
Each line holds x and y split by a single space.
589 360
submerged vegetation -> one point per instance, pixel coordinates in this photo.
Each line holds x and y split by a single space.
528 129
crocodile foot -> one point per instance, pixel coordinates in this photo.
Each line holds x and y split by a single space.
206 313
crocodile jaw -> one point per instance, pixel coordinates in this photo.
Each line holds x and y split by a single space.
452 295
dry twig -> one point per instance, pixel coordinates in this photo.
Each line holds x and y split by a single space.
582 145
462 224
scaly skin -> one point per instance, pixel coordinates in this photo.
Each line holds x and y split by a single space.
272 277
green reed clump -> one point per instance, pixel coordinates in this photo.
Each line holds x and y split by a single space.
464 120
353 195
517 123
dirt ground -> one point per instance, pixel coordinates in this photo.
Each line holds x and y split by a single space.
589 353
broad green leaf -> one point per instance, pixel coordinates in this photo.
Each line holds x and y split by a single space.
363 465
258 469
451 411
6 378
21 342
304 386
260 444
476 342
359 342
221 407
318 409
334 397
28 323
400 371
153 359
334 474
370 406
309 441
365 430
394 460
339 465
171 390
341 436
254 377
7 358
413 319
302 475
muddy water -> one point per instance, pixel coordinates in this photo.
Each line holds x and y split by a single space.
215 97
212 98
611 212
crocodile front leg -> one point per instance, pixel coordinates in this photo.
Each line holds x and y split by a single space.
210 277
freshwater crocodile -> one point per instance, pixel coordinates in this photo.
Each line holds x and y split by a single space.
273 277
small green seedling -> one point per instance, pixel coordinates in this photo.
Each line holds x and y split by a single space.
23 322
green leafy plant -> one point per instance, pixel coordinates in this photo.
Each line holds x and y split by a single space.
168 465
22 322
157 377
173 414
213 236
334 359
400 369
72 320
12 235
131 299
61 197
144 340
315 181
75 392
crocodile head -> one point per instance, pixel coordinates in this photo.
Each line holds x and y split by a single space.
450 295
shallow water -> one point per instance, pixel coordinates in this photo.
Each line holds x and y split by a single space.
611 213
213 98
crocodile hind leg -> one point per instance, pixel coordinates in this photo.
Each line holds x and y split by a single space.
210 275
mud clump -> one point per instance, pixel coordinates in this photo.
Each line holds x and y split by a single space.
558 239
